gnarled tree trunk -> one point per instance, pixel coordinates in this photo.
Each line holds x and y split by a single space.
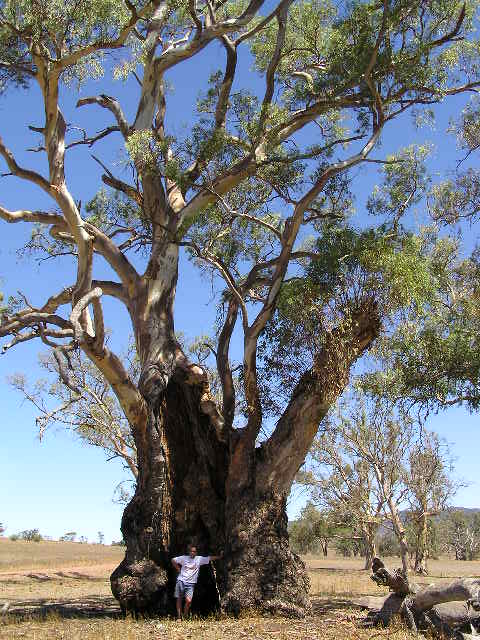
179 498
201 480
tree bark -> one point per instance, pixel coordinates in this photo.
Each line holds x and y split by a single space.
421 552
179 499
370 547
201 481
400 532
262 572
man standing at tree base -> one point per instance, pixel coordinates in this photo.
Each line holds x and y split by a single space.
188 568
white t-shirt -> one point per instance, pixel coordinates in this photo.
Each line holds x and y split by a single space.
190 567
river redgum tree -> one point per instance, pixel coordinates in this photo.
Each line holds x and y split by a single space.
247 192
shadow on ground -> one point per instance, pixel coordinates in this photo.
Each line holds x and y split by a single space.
107 607
324 606
85 607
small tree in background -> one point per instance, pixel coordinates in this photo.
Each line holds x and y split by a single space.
428 478
69 536
312 531
360 467
30 535
2 528
344 484
101 537
461 534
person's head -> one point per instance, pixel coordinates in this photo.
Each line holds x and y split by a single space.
192 550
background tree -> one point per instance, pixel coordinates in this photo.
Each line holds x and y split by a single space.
241 191
29 535
311 532
461 534
431 487
69 536
2 528
369 444
87 407
345 485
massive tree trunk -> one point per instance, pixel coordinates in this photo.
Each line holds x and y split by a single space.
179 499
201 480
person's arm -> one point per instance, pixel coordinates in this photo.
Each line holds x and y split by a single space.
216 557
207 559
176 564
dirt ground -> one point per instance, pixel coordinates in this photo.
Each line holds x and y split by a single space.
65 593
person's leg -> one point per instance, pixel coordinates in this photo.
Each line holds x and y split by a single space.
179 608
179 591
188 598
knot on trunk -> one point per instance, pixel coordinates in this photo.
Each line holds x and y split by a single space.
196 376
140 586
153 381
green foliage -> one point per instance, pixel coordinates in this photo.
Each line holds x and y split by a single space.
433 357
311 531
334 47
58 28
405 183
29 535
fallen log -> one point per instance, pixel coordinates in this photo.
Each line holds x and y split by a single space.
451 610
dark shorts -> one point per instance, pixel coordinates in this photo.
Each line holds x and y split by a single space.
184 589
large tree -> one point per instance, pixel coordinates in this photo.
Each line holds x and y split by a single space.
259 170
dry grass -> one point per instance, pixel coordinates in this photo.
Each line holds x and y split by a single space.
65 602
337 576
344 626
20 555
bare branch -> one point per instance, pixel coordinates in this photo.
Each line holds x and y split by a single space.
77 311
262 23
24 174
273 64
222 104
107 102
92 140
110 180
223 364
31 216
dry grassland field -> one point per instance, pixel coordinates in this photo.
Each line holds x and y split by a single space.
62 590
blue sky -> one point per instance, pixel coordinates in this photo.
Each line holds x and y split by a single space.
59 485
